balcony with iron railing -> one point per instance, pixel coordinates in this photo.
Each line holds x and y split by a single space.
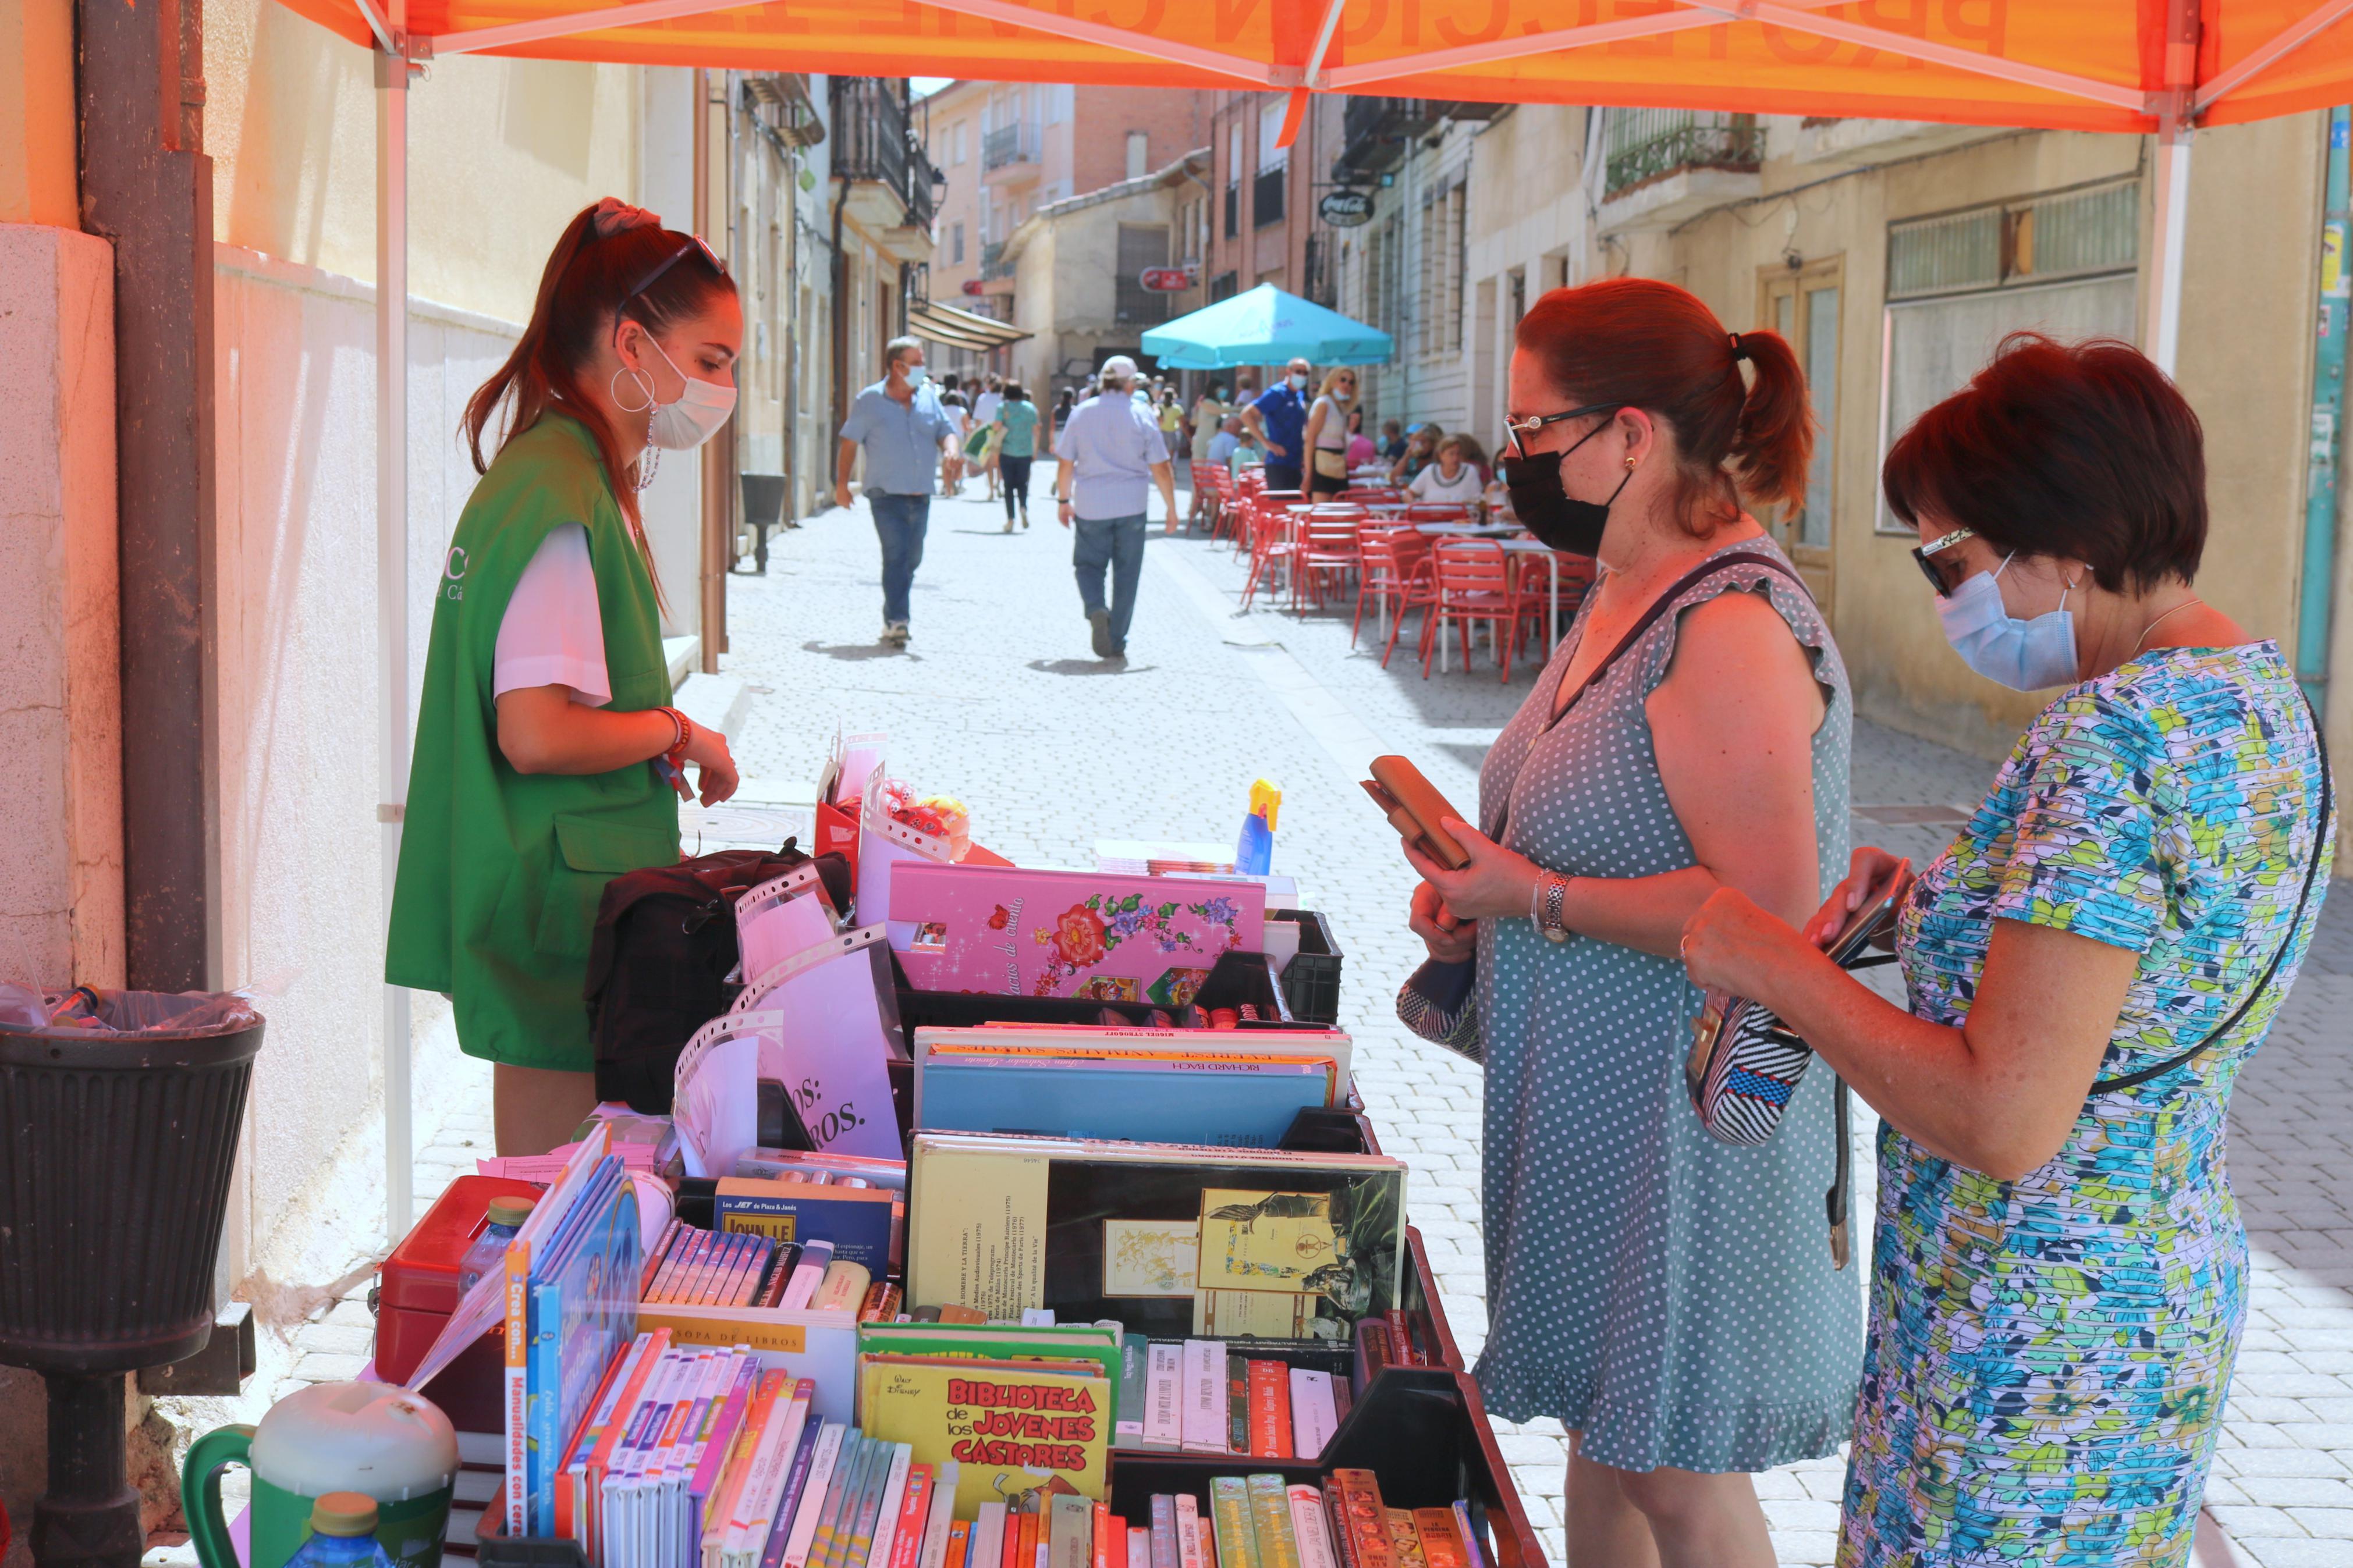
993 264
1014 149
876 152
1664 165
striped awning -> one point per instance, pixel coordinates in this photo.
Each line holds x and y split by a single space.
938 323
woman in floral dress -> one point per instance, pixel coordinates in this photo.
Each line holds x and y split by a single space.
2059 1273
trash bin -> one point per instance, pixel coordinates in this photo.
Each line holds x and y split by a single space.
115 1154
763 509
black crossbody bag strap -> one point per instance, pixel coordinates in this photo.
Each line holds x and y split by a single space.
2295 923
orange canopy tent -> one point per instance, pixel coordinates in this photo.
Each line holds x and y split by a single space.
2134 65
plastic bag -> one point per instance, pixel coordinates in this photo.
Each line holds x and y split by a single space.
86 1011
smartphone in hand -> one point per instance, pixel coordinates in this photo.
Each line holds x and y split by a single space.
1415 808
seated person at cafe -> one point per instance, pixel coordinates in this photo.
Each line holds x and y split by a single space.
1420 451
1450 478
1392 440
1228 437
1248 453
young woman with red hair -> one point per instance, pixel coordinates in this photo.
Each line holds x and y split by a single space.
547 750
1670 1300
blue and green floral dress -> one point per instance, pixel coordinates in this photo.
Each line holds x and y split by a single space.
2047 1358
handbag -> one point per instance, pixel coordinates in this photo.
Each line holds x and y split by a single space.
1331 463
1746 1064
1436 1001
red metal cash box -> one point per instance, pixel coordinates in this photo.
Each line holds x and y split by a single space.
418 1289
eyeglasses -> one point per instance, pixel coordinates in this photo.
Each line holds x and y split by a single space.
692 243
1920 554
1516 428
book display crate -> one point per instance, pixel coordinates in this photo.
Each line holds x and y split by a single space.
1423 1433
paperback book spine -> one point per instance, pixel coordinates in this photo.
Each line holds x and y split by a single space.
1311 1529
1270 1410
1188 1531
1237 1405
1435 1529
1473 1551
809 1512
1271 1518
796 1478
1163 1531
1229 1520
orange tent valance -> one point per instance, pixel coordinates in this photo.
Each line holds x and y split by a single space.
2095 65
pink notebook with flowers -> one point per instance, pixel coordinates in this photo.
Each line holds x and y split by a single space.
1069 933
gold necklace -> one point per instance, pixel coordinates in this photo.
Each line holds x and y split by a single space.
2152 625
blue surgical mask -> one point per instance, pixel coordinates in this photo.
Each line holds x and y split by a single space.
2026 656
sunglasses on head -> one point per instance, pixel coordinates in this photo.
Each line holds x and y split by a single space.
1920 554
693 243
1516 428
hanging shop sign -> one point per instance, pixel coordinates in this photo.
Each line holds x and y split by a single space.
1345 208
1165 279
975 285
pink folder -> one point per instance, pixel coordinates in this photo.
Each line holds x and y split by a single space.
1069 933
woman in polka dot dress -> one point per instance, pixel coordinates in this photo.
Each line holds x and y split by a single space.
1670 1300
2059 1276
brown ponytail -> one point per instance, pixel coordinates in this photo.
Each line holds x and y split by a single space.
1641 343
595 278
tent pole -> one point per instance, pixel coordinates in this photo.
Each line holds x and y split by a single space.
391 580
2161 307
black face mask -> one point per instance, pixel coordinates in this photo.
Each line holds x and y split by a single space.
1545 509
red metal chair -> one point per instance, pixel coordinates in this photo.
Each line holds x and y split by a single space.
1274 547
1396 576
1366 493
1437 511
1327 551
1475 584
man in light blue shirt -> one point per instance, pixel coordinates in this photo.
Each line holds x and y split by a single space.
906 435
1111 453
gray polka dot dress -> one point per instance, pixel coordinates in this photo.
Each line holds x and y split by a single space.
1669 1297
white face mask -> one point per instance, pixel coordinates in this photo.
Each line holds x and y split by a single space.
1298 382
695 417
916 375
2024 655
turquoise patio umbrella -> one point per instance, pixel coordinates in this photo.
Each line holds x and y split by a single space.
1265 326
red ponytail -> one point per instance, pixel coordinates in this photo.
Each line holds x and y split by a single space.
585 291
1641 343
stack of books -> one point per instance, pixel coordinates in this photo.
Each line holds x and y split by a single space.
1223 1088
1207 1396
693 1267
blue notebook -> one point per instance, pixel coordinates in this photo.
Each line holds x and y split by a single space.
1193 1099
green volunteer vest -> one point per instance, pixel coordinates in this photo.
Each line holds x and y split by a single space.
499 871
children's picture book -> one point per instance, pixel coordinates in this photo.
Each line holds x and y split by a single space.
1020 1433
1067 933
1090 1230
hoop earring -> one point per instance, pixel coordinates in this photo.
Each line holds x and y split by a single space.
644 384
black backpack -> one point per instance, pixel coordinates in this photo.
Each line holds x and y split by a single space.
658 961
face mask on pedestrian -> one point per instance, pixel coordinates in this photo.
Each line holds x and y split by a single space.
916 375
2024 655
686 423
1297 381
1549 511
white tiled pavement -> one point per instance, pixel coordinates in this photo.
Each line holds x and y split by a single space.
997 699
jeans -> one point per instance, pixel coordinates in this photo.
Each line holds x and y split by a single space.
1116 543
899 523
1015 472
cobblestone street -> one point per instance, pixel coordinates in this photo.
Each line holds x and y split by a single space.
997 701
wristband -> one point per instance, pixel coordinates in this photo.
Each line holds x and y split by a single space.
676 752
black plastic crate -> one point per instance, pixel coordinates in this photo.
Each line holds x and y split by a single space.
1311 980
1423 1433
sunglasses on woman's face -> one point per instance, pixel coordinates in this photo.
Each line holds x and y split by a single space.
1920 554
1519 429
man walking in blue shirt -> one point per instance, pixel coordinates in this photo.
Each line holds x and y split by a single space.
905 433
1279 419
1112 452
